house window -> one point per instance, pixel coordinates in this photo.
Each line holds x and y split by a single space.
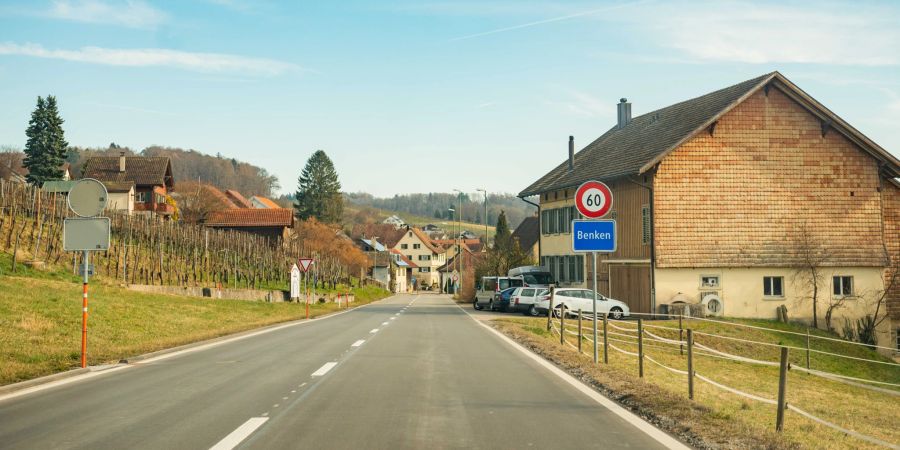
409 257
140 197
645 225
580 267
424 269
424 257
709 281
160 199
416 246
561 268
843 286
773 286
404 246
573 268
561 220
545 222
554 221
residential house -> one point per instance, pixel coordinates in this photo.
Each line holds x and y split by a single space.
380 260
395 221
151 177
269 223
528 233
403 272
419 248
716 198
262 202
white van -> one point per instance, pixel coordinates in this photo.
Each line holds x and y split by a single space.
488 293
533 276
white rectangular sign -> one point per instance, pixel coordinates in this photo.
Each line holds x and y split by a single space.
295 282
80 234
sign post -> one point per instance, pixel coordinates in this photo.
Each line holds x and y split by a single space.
305 264
86 233
594 200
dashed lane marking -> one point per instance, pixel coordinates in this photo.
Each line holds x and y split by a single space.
238 435
358 343
374 330
324 369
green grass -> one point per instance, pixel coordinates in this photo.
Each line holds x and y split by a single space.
865 411
40 320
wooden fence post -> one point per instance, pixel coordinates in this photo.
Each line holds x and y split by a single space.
782 386
605 342
562 325
549 312
680 336
640 331
690 363
580 336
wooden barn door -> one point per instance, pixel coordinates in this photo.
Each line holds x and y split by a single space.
631 284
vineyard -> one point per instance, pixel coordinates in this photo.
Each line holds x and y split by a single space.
146 250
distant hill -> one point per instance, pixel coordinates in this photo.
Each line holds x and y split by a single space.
191 165
434 206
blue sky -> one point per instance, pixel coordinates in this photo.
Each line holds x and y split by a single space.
418 96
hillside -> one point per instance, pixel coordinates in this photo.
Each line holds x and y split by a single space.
428 207
360 215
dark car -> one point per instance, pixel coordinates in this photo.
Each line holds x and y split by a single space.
503 300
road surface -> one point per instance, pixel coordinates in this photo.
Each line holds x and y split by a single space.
407 372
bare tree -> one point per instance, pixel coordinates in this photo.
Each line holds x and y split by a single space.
810 257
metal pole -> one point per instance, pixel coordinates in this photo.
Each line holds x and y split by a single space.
84 310
640 331
782 386
594 313
690 363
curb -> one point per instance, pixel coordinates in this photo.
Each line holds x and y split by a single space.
15 387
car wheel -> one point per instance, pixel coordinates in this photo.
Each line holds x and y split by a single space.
616 313
533 312
476 305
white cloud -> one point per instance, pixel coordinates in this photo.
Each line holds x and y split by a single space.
130 13
760 33
156 57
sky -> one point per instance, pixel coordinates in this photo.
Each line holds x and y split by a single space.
422 96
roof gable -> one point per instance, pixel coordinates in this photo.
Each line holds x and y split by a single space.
528 232
648 138
251 217
141 170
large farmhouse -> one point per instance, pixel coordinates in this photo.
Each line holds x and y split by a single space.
726 196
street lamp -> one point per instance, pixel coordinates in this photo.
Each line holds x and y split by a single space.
484 218
375 249
452 213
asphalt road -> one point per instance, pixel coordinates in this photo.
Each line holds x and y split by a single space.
408 372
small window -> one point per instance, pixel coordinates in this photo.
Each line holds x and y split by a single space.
561 269
141 197
404 246
773 286
410 234
709 281
573 268
545 222
409 257
561 218
424 269
843 286
417 246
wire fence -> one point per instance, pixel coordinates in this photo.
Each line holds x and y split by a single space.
627 338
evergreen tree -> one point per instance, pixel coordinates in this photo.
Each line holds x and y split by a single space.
503 237
45 150
319 191
437 214
505 254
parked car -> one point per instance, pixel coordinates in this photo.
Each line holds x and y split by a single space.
523 299
571 300
504 302
488 293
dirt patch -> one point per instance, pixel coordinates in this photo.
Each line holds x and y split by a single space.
692 423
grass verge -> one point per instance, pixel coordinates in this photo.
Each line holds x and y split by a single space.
718 419
40 321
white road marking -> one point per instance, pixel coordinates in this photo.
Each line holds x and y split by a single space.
293 391
655 433
302 384
384 323
275 405
237 436
284 398
324 369
392 318
374 330
358 343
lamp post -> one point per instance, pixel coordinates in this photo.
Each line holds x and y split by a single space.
375 249
452 212
485 217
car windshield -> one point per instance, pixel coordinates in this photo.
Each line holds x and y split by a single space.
507 282
538 278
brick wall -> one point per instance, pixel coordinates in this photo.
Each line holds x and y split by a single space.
741 197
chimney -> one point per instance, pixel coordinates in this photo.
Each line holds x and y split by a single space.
624 112
122 162
571 153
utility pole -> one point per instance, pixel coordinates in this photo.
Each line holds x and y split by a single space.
459 250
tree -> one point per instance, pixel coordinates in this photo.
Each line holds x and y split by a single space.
504 255
319 191
45 150
810 258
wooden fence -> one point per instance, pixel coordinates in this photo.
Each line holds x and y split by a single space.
148 250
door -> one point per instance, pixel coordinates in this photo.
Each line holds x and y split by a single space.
630 283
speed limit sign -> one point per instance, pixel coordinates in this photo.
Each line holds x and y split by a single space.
593 199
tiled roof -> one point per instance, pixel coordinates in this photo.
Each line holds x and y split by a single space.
219 196
268 203
118 186
426 240
142 170
250 217
621 152
403 258
238 199
528 232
